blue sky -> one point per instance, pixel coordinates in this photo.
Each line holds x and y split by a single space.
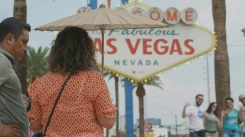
179 85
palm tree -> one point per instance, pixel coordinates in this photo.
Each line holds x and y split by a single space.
140 92
107 73
20 66
117 104
36 61
222 71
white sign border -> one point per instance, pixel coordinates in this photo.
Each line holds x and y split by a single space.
212 47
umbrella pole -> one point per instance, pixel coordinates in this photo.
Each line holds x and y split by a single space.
102 59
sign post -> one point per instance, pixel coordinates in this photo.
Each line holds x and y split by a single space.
129 108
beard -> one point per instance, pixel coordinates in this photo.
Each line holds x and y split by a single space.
198 103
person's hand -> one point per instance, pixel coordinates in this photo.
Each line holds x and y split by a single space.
241 108
223 113
187 104
10 130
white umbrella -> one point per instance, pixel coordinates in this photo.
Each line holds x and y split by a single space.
103 19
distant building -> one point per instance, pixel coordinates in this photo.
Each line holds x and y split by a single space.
153 121
157 129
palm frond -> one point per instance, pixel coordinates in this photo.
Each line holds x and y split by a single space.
154 81
36 63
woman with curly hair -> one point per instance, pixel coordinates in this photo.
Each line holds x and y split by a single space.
211 120
84 107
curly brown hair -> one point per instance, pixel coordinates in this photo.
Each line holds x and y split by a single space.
72 51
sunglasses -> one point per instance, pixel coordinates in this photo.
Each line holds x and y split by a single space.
241 99
200 99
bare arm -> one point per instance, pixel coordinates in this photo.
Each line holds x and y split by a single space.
9 130
241 115
221 119
219 124
184 112
104 109
36 126
105 122
204 118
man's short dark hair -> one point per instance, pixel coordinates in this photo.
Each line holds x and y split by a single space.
13 26
198 95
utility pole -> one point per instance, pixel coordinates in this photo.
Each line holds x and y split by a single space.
146 120
208 85
176 127
88 2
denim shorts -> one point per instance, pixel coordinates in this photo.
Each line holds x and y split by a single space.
193 134
230 133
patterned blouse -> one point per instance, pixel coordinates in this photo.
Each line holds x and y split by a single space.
74 115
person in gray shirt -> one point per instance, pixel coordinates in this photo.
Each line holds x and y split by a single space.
14 36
